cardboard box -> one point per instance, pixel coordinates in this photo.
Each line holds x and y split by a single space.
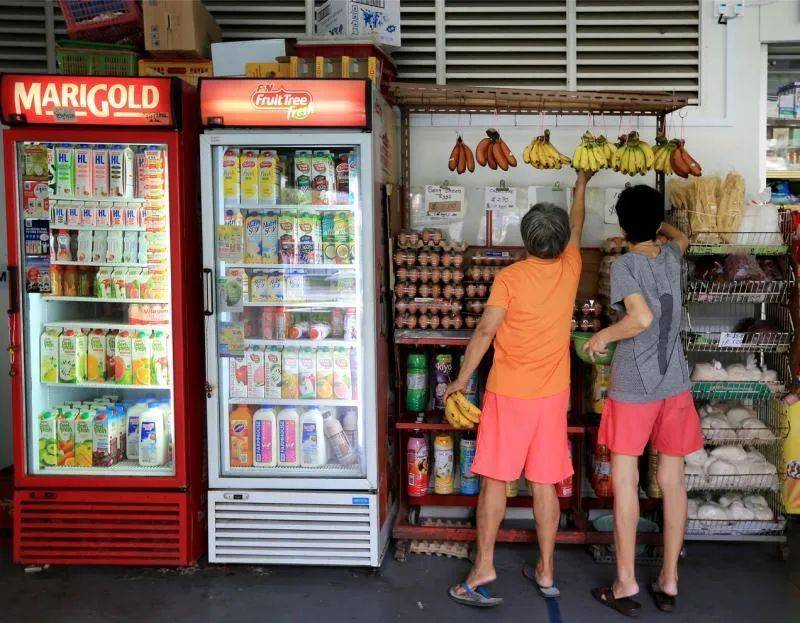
376 20
231 58
183 28
789 101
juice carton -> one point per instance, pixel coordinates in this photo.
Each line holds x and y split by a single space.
130 247
273 371
328 240
323 179
324 373
120 172
255 372
303 160
122 346
342 179
65 171
103 283
240 433
65 434
141 358
268 164
252 239
241 276
287 238
96 356
100 171
88 213
133 283
34 163
154 169
118 287
237 383
48 356
290 381
248 163
111 347
48 440
84 424
352 170
72 357
83 171
105 441
342 380
160 362
231 182
84 246
269 239
309 244
307 366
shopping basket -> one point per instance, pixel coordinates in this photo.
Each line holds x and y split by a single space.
86 58
101 20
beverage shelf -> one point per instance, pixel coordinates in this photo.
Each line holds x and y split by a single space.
300 343
434 420
107 385
329 470
418 337
294 402
645 504
100 264
94 299
457 499
91 324
54 227
296 304
122 468
341 267
100 199
281 207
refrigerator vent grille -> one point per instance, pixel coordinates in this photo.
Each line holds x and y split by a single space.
133 532
310 533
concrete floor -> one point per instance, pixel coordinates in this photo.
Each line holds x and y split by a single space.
720 583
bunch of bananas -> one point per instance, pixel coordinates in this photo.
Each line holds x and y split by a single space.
633 155
541 154
494 152
662 151
461 158
460 412
590 155
681 162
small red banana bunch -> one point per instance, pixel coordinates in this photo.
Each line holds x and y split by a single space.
461 158
494 152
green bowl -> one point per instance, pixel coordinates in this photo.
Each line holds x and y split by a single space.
605 523
579 338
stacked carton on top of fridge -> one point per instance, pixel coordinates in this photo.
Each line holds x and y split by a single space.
360 19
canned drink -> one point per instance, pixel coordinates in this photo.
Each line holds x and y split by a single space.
443 464
470 483
512 488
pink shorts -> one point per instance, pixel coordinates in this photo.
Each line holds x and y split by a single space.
671 424
517 433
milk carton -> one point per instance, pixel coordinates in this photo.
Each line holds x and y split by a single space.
102 215
72 357
255 372
114 248
248 163
237 382
130 216
100 171
252 239
48 355
120 167
88 213
116 216
84 246
307 378
83 171
84 434
58 213
96 356
65 435
73 213
99 246
141 166
269 238
48 440
65 171
303 175
130 247
231 182
323 180
273 371
268 189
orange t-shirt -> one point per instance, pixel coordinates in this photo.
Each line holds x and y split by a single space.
531 347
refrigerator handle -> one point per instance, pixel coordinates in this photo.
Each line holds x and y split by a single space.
13 317
208 292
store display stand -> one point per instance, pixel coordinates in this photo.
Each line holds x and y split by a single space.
439 99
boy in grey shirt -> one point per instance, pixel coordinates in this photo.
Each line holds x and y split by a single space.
649 397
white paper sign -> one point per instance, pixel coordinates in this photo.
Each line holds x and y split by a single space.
609 206
444 200
731 340
497 198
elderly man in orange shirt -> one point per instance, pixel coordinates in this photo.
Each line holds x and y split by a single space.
524 421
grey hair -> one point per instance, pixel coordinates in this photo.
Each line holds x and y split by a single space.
545 230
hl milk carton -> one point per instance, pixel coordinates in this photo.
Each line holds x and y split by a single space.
120 172
48 355
65 171
83 171
100 171
231 182
89 214
248 162
72 357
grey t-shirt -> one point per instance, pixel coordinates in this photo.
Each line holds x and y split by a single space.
650 366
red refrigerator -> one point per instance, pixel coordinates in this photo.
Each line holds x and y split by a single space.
105 319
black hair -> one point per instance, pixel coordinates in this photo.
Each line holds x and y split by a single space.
545 231
640 211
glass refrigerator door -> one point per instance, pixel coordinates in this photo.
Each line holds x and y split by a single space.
94 243
290 348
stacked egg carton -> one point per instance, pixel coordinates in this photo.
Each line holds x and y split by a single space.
480 275
429 276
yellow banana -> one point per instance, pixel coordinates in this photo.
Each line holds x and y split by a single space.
466 408
526 154
649 157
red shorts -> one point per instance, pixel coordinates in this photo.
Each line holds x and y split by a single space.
517 433
671 424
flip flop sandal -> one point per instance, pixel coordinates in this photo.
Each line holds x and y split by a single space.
663 601
548 592
478 597
623 605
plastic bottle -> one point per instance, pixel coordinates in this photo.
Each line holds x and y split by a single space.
443 463
240 437
299 330
334 433
350 426
314 452
417 462
470 483
264 427
319 331
416 382
471 391
153 438
288 433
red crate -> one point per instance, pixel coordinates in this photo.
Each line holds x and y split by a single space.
101 20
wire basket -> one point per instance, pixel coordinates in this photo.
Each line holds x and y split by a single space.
101 20
771 412
706 242
733 482
741 527
738 390
716 332
91 59
710 291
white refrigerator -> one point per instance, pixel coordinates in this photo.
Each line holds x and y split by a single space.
289 251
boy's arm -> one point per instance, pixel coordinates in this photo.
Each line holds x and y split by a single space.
638 318
577 215
673 234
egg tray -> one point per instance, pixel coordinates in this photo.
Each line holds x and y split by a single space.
423 306
412 321
471 276
431 258
435 291
425 274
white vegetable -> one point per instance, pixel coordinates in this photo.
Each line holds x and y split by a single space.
729 453
727 500
740 512
753 428
692 505
712 371
738 415
697 458
711 511
721 467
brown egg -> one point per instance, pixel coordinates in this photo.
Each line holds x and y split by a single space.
399 322
434 321
413 306
424 258
458 276
411 258
487 274
424 274
436 290
482 289
447 322
411 321
457 322
472 290
413 238
399 257
401 306
400 289
447 291
402 239
424 321
435 259
447 259
474 273
436 236
425 290
458 291
402 273
411 290
456 306
458 260
413 275
471 321
436 275
426 236
447 275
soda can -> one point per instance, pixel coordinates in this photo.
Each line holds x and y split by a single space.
470 483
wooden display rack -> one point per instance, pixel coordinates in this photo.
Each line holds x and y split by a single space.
439 99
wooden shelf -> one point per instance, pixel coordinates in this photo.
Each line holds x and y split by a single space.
434 421
793 174
777 122
456 499
418 337
645 504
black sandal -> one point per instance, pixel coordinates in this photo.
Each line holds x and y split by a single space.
623 605
663 601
